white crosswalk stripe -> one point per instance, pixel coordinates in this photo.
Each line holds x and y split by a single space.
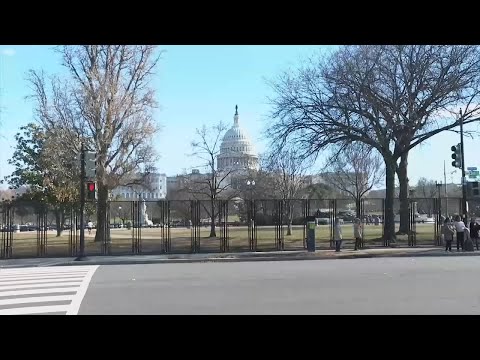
55 290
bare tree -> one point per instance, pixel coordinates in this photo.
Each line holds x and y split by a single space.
179 203
261 183
214 185
288 170
319 191
391 98
106 102
355 171
426 188
425 191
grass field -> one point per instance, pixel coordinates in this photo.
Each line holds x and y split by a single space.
25 243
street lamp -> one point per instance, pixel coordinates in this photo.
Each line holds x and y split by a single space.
250 185
439 185
121 218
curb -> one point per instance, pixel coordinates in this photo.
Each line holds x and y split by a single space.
249 258
257 258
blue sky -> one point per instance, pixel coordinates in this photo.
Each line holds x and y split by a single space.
199 85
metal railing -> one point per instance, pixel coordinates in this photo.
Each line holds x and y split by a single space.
31 229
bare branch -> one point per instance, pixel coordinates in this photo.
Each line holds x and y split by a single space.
106 101
390 98
355 170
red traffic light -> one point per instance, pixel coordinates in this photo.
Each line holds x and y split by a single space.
91 187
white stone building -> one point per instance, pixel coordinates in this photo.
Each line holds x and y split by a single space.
237 153
155 188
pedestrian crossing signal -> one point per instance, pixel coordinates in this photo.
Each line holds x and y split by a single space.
91 191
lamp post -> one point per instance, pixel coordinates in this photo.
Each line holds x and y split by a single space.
464 179
251 217
413 203
439 217
250 185
119 215
439 186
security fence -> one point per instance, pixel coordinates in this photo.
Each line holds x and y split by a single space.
31 229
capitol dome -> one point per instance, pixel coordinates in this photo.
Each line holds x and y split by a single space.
236 150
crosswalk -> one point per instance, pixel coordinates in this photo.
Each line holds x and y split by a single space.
44 290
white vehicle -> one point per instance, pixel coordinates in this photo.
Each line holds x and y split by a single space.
419 218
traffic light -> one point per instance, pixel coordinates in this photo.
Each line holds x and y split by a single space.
90 164
90 191
457 156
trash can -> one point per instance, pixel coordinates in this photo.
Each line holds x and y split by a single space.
311 225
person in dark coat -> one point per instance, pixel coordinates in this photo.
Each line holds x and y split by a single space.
474 229
448 231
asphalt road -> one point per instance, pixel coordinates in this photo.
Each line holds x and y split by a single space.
443 285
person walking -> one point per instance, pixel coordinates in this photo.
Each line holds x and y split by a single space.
459 228
448 231
468 243
357 233
89 227
337 235
474 228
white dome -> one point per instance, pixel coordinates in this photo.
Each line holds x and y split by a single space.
236 150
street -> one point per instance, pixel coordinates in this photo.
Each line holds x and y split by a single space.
422 285
359 286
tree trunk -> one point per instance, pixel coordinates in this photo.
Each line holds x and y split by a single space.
403 195
58 221
212 219
358 205
102 229
389 221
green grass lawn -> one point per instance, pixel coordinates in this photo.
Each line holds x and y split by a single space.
25 243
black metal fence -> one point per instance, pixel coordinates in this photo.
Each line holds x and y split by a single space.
155 227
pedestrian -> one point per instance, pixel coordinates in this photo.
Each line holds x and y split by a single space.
474 228
357 233
337 235
459 228
468 243
448 231
89 227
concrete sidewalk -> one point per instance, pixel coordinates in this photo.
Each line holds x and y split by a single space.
234 257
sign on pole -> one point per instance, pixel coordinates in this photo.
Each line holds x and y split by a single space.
473 174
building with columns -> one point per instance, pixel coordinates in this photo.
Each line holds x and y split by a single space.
155 188
237 153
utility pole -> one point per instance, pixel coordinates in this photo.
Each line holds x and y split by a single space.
82 203
446 192
464 180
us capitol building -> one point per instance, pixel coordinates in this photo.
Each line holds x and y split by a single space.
237 156
236 151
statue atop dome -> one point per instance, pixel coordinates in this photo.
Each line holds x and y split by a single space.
235 118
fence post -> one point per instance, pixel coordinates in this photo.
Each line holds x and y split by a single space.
333 217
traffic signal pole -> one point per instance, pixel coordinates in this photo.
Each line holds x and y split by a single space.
82 203
464 179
